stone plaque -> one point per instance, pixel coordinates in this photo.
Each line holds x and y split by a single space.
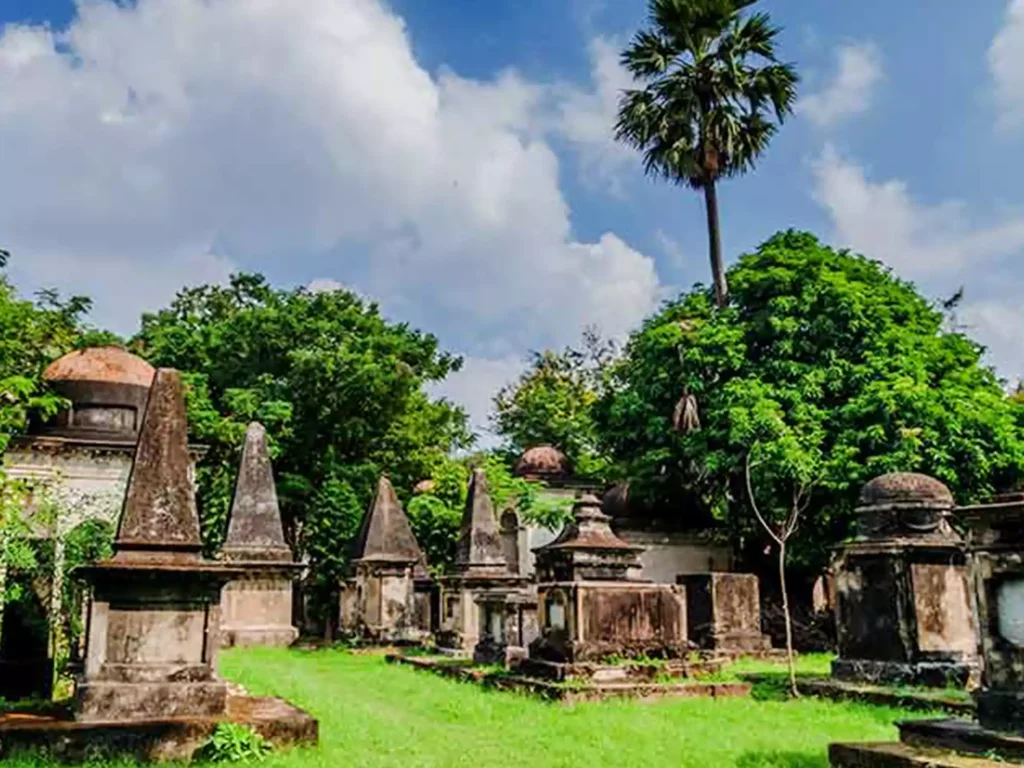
942 608
1010 610
556 615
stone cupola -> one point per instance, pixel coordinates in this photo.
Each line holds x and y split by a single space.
905 504
107 388
587 549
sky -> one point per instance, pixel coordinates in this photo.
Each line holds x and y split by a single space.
454 161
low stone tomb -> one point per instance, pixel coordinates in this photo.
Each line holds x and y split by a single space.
723 612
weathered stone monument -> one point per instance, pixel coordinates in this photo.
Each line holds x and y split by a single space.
379 600
153 627
150 684
723 612
997 737
477 599
589 605
256 607
903 610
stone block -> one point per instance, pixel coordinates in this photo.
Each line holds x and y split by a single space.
724 611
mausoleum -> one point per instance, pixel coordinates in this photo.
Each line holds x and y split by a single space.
903 609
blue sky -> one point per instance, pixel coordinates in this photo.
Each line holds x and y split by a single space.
453 159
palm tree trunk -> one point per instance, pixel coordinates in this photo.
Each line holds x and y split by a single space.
715 244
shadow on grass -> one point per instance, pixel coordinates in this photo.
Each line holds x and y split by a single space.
772 686
781 759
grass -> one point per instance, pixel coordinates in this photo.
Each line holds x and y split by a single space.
376 715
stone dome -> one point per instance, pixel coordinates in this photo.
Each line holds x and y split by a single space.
543 461
108 388
112 365
615 501
424 486
905 490
903 502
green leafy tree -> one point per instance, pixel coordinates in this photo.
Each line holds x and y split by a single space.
339 389
713 89
833 368
553 401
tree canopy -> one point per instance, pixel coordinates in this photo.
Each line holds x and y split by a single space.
823 371
552 403
338 387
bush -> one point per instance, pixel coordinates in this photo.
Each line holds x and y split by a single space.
232 743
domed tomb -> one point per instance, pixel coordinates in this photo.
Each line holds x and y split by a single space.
904 503
108 388
903 613
543 462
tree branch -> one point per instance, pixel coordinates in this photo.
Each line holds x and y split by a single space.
753 504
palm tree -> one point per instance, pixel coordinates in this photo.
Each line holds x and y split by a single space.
710 83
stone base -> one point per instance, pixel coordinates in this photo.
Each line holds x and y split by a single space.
157 739
923 699
738 644
103 701
26 679
247 636
1001 710
494 653
931 674
892 755
617 673
934 744
962 736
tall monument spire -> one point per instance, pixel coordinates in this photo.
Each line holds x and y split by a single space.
479 544
254 524
159 515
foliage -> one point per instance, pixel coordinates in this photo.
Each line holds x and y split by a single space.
232 743
836 369
32 333
711 83
16 552
339 389
552 403
87 543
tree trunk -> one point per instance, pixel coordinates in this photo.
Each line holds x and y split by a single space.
789 622
715 244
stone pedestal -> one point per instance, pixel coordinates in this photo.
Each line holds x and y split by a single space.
723 612
152 643
903 611
256 608
589 621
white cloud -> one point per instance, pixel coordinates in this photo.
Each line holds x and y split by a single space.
938 246
174 140
474 387
586 116
858 71
882 220
997 324
1006 63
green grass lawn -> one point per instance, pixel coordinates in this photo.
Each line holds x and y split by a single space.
373 714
